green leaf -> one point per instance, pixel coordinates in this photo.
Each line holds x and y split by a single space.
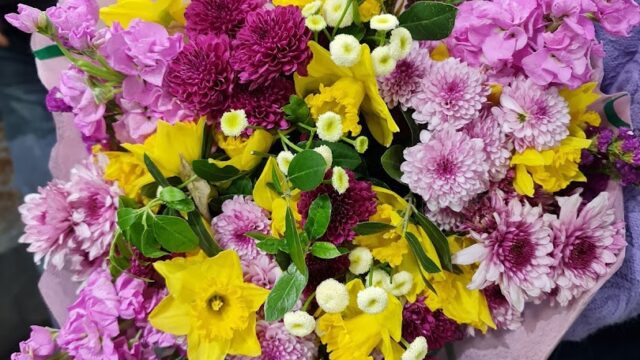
170 194
344 155
439 240
127 202
296 110
155 172
240 186
174 234
258 236
612 115
416 247
372 227
149 190
211 172
356 30
428 20
119 255
285 294
283 259
391 160
272 246
413 128
127 217
185 205
293 242
275 178
306 170
325 250
207 244
318 217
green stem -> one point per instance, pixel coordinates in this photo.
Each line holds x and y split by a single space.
308 301
315 36
348 141
188 181
288 142
326 32
344 13
261 154
310 141
405 342
306 127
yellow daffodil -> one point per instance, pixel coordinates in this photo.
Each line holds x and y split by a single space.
455 300
368 9
240 151
354 334
163 12
579 100
210 303
440 52
330 87
164 147
298 3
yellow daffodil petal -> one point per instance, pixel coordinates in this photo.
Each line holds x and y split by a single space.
298 3
530 157
279 208
241 151
263 196
246 343
440 53
199 349
344 98
368 9
523 182
127 170
387 196
160 11
321 69
170 316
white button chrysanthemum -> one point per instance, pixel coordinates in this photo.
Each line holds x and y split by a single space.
401 283
284 159
400 43
362 144
299 323
380 278
329 126
360 260
326 153
332 296
233 122
384 22
383 61
345 50
340 180
333 10
372 300
315 23
311 8
417 350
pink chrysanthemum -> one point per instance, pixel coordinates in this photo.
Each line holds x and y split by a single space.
278 344
447 170
239 216
587 241
405 81
355 205
273 42
503 314
514 253
218 17
263 105
496 145
261 270
201 77
451 95
533 116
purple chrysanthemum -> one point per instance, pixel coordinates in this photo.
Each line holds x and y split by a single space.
201 77
503 314
586 242
263 105
261 270
496 145
447 170
534 116
356 204
405 81
278 344
435 326
514 253
451 95
239 216
273 42
323 269
218 17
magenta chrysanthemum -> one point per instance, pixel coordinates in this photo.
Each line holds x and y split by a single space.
273 42
239 216
587 241
515 253
496 145
278 344
263 105
201 77
356 204
405 81
451 95
447 170
435 326
533 116
218 17
503 314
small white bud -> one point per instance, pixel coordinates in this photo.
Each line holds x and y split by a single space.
383 61
299 323
233 122
373 300
380 278
360 260
284 159
401 283
315 23
345 50
417 350
400 43
332 296
326 153
340 180
384 22
329 126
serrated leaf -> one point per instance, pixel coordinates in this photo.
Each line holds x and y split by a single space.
211 172
306 170
318 217
416 247
428 20
174 234
325 250
372 227
439 240
155 172
285 294
294 244
391 160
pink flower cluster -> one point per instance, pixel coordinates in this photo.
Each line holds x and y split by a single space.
72 223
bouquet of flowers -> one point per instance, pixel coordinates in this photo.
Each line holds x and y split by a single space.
325 179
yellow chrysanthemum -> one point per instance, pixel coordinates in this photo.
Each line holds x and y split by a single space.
240 151
163 12
210 303
368 9
324 73
298 3
354 334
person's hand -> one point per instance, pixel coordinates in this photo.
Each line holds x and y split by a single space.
4 42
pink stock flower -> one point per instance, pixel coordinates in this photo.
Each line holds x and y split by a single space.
618 17
27 19
39 346
75 22
587 240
